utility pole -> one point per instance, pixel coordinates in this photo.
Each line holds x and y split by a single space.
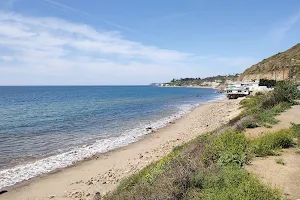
290 69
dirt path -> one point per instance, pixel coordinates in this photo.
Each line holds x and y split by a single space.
284 177
286 118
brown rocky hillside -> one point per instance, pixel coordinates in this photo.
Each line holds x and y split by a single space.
275 67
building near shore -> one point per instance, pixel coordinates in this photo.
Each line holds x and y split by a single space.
239 89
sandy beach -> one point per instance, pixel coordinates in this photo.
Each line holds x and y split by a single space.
102 173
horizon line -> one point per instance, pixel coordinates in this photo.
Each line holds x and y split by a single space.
65 85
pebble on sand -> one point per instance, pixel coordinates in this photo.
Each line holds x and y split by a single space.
97 196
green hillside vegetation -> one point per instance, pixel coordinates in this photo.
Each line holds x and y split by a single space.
199 81
264 107
280 61
212 165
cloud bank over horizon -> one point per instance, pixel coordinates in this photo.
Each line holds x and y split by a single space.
52 51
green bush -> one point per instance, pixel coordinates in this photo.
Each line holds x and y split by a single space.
259 93
245 122
269 101
148 174
266 82
267 116
234 183
269 143
296 130
286 91
209 167
264 107
227 148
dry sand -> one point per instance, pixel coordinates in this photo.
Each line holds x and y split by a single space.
103 172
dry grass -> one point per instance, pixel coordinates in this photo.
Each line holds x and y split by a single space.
280 61
209 167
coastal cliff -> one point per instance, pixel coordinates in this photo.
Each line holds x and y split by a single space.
275 67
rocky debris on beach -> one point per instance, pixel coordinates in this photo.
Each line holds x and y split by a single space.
89 182
78 182
3 191
97 196
75 195
149 129
80 195
110 177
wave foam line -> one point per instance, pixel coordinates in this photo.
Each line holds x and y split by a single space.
10 177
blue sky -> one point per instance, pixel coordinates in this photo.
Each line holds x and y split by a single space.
116 42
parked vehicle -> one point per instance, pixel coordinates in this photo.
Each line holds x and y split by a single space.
236 92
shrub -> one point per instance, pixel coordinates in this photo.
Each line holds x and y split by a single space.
148 174
183 174
267 116
210 166
266 82
269 101
234 183
227 148
245 122
296 130
269 143
263 108
286 91
259 93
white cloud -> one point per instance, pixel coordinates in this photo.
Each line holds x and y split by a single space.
41 33
35 50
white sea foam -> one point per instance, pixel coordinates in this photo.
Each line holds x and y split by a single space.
219 97
9 177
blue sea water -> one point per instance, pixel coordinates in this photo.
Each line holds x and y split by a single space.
45 128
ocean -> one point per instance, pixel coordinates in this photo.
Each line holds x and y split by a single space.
44 128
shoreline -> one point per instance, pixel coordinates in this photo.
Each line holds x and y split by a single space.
199 86
33 170
102 172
